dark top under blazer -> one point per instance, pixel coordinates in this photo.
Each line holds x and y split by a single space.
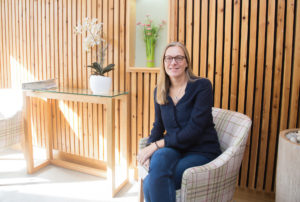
189 125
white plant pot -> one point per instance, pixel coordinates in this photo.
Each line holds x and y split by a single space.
100 84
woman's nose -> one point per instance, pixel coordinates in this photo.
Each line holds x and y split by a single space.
173 60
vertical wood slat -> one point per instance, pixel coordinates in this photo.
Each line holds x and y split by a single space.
204 38
211 41
268 75
19 42
80 68
7 43
140 102
71 68
296 80
44 70
75 65
42 102
105 26
258 93
100 107
243 56
133 118
172 21
38 27
152 87
43 40
196 44
89 117
25 31
1 46
93 116
2 52
145 103
13 34
235 59
61 76
250 92
287 64
181 21
84 105
116 72
227 55
242 74
218 73
64 104
5 10
189 26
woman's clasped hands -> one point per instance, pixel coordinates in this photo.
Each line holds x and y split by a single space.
144 155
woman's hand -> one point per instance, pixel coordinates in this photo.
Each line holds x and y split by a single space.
145 154
147 163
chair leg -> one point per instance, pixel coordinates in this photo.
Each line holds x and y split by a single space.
141 193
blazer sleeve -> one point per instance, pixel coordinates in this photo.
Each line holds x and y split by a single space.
200 119
158 126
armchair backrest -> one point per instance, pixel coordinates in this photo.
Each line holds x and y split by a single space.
232 127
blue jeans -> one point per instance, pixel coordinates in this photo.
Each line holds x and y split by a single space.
166 169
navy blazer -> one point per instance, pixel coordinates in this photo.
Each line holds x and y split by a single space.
188 126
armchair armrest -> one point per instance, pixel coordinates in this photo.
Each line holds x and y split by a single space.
142 170
143 143
214 178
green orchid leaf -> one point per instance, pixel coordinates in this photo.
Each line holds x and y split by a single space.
97 67
99 70
108 68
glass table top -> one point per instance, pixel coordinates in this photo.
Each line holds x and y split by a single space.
77 91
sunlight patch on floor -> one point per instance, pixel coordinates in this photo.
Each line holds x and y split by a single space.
53 183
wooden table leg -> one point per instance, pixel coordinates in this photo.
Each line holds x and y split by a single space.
49 135
27 140
112 177
124 134
124 139
109 130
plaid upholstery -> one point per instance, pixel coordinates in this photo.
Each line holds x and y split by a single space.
11 122
216 180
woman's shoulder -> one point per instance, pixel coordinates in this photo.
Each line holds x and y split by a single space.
200 82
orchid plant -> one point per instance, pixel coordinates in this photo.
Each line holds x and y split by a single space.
151 34
94 39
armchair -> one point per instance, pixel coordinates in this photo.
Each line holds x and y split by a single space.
11 122
216 180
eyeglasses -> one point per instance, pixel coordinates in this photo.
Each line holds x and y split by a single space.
178 58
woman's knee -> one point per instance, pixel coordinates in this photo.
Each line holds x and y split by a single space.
165 154
164 158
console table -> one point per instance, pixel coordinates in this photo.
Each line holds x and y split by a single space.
85 96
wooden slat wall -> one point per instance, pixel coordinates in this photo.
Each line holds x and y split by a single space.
248 49
250 52
37 42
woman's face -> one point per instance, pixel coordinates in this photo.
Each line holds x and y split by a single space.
175 62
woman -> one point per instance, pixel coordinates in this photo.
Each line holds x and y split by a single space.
183 133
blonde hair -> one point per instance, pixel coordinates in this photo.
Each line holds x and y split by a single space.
163 81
